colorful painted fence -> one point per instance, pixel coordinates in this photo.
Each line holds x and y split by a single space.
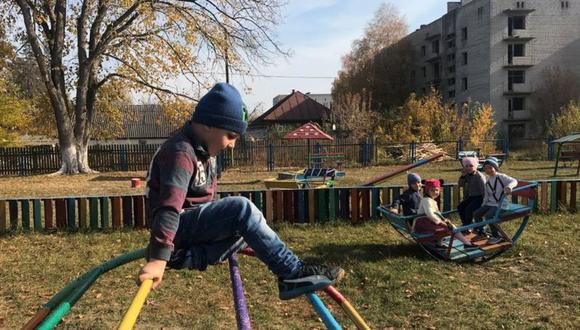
357 204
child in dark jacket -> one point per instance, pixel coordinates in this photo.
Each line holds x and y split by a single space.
410 198
472 182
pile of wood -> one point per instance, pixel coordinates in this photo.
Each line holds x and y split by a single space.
426 150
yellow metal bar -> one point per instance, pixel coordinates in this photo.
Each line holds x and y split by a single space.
133 312
354 315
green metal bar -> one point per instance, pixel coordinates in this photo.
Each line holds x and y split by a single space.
25 214
36 210
331 204
446 198
375 202
64 307
94 213
557 159
104 212
553 196
257 199
322 205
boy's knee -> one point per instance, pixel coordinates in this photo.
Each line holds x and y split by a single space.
238 202
242 205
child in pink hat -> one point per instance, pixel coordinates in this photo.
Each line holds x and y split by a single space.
472 183
432 220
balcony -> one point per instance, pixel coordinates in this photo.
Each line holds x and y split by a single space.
518 89
518 62
518 11
431 57
519 115
518 35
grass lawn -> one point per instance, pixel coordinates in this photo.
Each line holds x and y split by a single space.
391 282
118 183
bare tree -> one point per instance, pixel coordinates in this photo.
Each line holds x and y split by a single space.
81 46
375 71
556 90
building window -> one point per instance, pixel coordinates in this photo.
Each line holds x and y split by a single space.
520 4
516 77
480 12
519 50
517 131
451 69
464 58
516 50
451 93
451 57
424 69
413 77
436 71
564 4
423 50
435 46
464 83
516 23
451 81
464 33
515 104
451 43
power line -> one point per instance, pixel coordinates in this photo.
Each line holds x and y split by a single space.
290 77
268 76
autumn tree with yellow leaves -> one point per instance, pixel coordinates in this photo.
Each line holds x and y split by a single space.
83 46
13 106
428 118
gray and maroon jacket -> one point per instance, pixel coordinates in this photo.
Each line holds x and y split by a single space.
182 175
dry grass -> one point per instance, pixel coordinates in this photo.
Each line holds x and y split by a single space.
390 281
118 183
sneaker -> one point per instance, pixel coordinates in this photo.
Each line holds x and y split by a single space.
310 277
494 240
480 237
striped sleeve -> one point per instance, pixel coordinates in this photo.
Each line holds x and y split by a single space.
175 171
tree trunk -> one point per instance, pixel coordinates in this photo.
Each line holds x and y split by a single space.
74 158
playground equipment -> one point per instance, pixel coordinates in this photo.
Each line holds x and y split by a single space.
402 169
51 313
568 149
451 249
309 178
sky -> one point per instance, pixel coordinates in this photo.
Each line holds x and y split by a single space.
318 33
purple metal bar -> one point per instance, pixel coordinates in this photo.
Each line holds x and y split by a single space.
242 315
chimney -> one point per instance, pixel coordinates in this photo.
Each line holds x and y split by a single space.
453 5
293 91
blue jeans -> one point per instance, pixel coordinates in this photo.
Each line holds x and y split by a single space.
215 230
486 212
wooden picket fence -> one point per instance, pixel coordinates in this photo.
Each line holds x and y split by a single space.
357 204
21 161
32 160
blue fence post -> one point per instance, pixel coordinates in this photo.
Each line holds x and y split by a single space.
506 148
123 158
270 158
413 152
458 148
550 148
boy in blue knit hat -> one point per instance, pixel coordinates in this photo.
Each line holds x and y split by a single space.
496 186
189 228
410 198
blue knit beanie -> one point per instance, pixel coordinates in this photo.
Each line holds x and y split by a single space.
222 107
492 161
413 178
